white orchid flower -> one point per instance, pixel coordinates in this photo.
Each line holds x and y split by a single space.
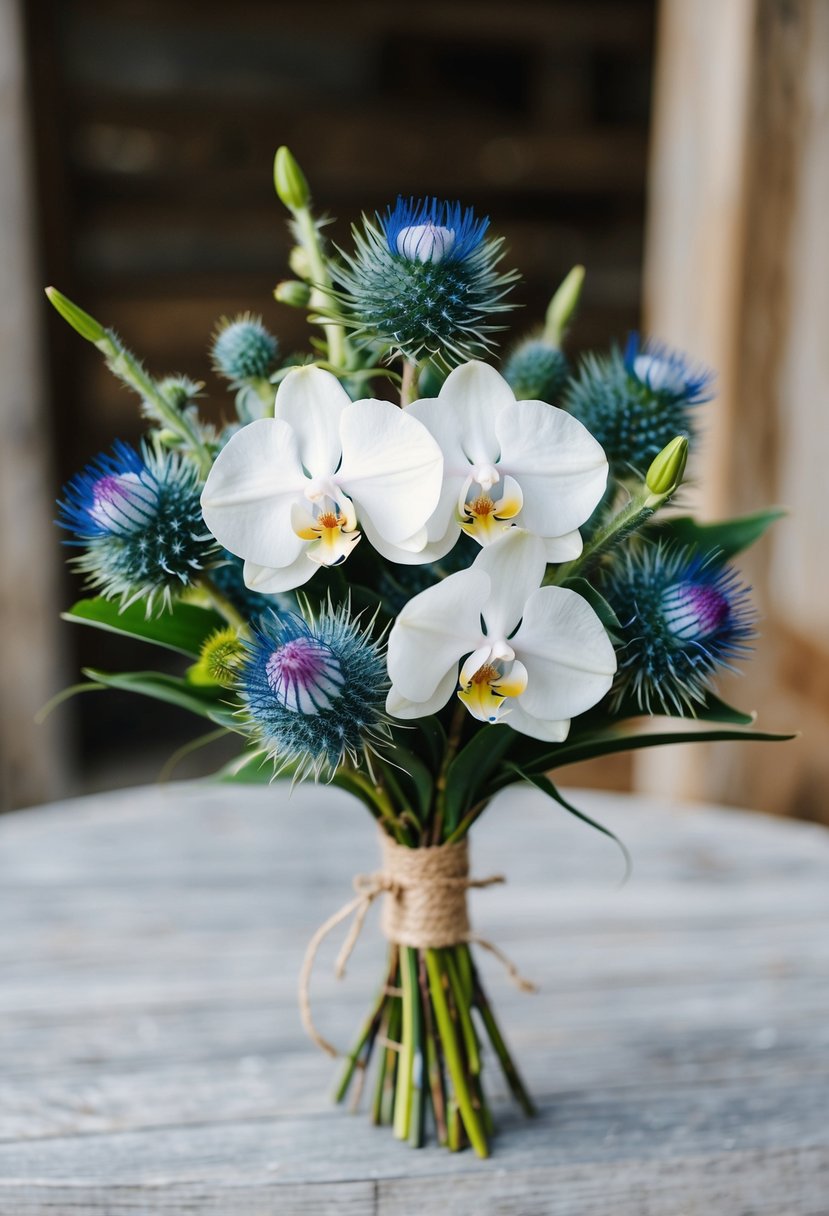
537 656
509 463
287 493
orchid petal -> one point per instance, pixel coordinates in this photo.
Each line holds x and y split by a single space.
250 490
561 468
475 394
400 707
445 427
312 401
563 548
568 655
413 550
516 565
433 632
269 581
391 467
548 730
474 663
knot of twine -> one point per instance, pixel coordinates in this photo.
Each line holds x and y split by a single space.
425 908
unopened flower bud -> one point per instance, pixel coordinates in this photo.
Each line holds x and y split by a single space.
563 305
292 292
665 473
299 262
289 180
81 321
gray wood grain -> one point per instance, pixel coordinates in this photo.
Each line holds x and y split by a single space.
152 1060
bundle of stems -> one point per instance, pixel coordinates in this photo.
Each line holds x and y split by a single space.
425 1031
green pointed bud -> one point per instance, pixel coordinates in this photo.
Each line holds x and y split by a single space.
563 306
665 473
299 262
289 180
293 293
81 321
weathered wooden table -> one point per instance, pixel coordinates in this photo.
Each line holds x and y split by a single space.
152 1057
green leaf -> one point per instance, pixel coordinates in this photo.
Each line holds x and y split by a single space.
546 786
609 742
729 537
428 740
406 771
472 766
249 768
184 629
173 690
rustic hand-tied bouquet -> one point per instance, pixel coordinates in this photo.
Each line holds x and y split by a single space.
406 572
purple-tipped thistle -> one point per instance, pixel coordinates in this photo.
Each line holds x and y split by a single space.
314 691
137 516
684 615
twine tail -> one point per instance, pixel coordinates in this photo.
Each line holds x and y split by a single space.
515 975
360 904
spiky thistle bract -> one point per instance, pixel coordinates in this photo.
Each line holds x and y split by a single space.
244 350
684 615
314 690
536 371
137 516
635 402
423 281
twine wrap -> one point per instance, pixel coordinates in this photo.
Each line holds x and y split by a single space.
424 908
425 899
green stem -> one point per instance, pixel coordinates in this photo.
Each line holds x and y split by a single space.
631 517
367 1032
408 384
123 364
437 1084
380 1079
392 1061
408 1043
456 726
462 1005
223 605
466 823
508 1067
321 279
454 1061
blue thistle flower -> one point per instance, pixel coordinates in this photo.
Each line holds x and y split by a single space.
536 371
423 280
243 350
138 518
635 403
667 373
314 691
684 614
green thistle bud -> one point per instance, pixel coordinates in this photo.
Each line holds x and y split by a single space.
666 470
243 350
289 180
81 321
293 293
562 307
220 659
536 371
300 263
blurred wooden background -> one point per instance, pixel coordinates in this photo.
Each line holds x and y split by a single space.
149 129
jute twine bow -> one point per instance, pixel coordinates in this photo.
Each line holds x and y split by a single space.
425 907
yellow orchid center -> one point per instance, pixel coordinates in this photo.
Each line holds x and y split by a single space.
486 693
485 520
332 532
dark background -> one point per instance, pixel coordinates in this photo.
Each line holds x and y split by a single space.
155 128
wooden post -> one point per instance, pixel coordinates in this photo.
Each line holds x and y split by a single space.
32 759
737 272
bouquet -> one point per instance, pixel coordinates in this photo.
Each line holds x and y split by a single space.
403 571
